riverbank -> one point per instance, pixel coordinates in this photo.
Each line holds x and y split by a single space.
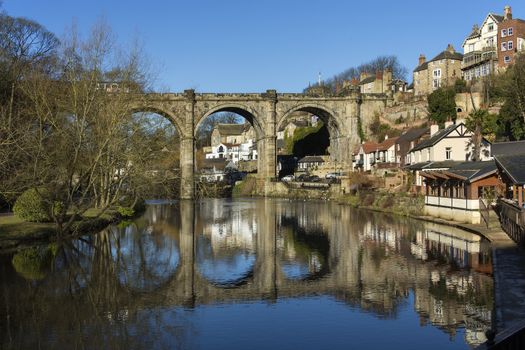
16 233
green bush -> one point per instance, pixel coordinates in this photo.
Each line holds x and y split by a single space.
126 212
32 207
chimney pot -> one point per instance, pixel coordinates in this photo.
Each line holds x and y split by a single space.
507 13
422 59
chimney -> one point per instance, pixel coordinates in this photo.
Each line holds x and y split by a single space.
448 123
386 137
434 128
450 48
507 13
379 75
422 59
355 81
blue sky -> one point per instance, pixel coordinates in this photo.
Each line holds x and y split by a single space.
252 46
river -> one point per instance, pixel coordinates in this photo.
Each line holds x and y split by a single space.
251 274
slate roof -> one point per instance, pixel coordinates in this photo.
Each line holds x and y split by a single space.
421 67
311 159
508 148
367 80
438 136
474 34
412 134
233 129
473 171
446 54
217 163
513 166
385 145
446 164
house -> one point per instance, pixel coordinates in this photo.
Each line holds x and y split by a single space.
234 151
480 49
213 170
455 193
364 156
407 141
451 144
511 38
379 83
309 163
441 71
232 133
508 148
370 154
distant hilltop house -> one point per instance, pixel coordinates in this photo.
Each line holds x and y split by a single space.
378 83
443 70
491 47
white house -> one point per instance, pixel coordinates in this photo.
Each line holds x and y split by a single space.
446 146
480 48
235 152
370 153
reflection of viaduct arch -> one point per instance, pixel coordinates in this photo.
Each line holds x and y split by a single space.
266 112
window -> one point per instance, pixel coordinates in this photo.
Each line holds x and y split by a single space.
490 42
448 153
437 73
491 27
504 32
471 47
506 59
436 83
510 31
504 46
510 45
485 70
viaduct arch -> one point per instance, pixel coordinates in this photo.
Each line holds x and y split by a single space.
267 112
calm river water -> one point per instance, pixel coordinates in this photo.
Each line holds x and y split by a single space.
251 274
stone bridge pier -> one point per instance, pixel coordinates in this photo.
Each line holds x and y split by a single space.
267 112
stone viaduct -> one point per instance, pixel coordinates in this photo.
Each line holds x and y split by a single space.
267 112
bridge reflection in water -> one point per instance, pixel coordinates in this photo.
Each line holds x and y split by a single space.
192 254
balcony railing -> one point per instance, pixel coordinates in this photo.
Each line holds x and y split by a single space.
512 219
476 57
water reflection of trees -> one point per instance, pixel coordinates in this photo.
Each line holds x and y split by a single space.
89 297
112 288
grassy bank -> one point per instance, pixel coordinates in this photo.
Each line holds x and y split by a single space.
15 232
399 203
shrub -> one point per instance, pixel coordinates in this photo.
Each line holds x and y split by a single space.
31 206
126 212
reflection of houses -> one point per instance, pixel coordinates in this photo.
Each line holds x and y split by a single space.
456 193
464 249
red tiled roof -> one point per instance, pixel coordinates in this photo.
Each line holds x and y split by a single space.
385 145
